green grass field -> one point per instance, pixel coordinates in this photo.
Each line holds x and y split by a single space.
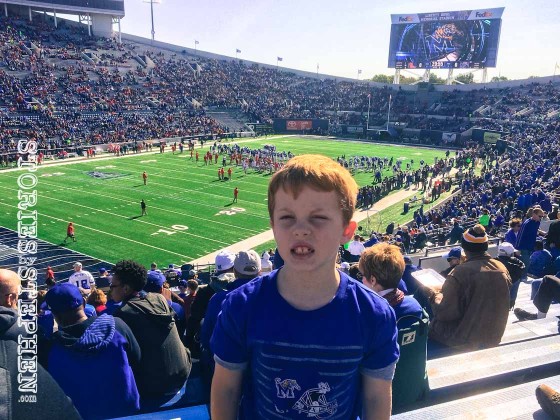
190 212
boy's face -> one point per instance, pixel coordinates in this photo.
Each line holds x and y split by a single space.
309 230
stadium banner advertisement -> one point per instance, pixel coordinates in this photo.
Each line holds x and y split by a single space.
453 40
433 135
298 125
355 129
260 128
491 138
282 125
411 132
448 137
482 135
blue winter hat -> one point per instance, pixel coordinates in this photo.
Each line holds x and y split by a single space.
155 282
64 297
454 252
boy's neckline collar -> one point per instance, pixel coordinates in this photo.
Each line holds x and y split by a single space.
340 291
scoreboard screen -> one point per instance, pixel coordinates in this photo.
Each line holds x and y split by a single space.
450 40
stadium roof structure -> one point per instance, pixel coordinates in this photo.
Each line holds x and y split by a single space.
99 15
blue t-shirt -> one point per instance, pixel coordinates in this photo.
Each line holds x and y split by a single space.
304 363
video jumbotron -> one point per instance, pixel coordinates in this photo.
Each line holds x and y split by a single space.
442 44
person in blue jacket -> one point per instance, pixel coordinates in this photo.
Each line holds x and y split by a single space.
91 357
528 235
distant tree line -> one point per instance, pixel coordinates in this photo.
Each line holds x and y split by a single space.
466 79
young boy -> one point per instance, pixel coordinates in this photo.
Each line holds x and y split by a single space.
305 340
382 267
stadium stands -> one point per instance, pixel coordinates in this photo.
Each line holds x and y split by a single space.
75 100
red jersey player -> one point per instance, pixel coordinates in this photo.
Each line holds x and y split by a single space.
70 232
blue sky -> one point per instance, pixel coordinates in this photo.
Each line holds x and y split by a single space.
340 36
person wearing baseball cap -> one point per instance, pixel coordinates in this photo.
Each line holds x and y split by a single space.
82 279
51 399
224 261
507 255
104 279
471 308
453 258
183 292
247 266
222 276
155 283
100 349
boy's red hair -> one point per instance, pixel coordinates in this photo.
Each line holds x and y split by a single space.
319 173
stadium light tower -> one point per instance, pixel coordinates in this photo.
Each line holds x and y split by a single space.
152 14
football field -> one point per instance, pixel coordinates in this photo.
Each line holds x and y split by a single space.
190 212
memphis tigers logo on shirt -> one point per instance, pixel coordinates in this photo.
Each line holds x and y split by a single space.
313 402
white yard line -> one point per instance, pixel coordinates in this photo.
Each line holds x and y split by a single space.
186 232
153 207
186 257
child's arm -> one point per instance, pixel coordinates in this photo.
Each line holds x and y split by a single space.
226 393
376 398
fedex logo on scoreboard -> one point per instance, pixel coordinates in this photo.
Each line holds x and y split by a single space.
483 14
299 125
495 13
405 19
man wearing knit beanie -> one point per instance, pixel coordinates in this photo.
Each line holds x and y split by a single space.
471 309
